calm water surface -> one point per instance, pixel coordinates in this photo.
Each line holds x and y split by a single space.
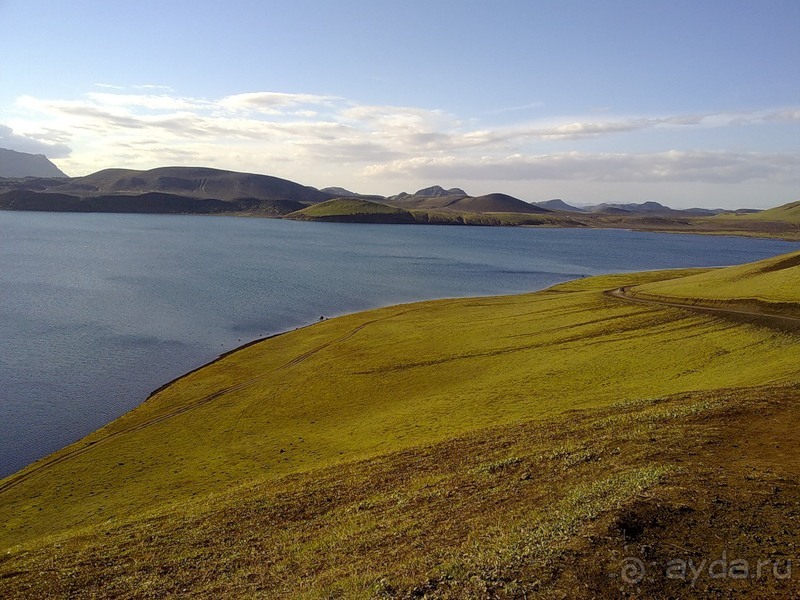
96 311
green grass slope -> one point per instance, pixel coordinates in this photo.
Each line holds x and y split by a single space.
787 213
385 380
552 508
353 210
771 285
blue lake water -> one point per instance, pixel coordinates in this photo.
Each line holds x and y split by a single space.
98 310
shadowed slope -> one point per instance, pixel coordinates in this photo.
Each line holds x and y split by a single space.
496 203
198 182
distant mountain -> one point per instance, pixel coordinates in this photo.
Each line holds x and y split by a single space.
609 209
500 203
195 182
22 164
456 200
649 208
702 212
437 191
149 202
404 200
652 209
558 204
200 190
340 192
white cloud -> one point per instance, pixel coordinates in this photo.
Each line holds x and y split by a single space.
308 133
145 86
671 166
273 102
147 101
47 142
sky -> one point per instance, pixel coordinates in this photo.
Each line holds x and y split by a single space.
684 102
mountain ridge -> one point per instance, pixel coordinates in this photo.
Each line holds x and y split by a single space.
23 164
195 190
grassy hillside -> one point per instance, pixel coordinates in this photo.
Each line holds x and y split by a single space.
548 508
433 447
353 210
772 285
461 203
787 213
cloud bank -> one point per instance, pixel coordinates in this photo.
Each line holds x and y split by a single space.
47 142
671 166
339 139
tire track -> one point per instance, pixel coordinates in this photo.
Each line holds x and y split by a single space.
621 293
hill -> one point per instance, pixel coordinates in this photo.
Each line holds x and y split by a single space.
770 286
652 209
455 200
506 444
22 164
785 214
558 204
437 191
196 182
339 192
495 203
148 203
352 210
360 210
123 190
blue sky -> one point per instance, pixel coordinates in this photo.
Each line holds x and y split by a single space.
687 103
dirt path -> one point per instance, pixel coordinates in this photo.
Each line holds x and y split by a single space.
759 316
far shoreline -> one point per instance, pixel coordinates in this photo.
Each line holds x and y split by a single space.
786 236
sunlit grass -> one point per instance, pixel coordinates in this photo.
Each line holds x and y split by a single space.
771 281
385 380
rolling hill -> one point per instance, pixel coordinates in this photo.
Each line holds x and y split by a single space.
495 203
770 286
499 447
652 209
785 214
145 203
558 204
352 210
160 191
196 182
455 200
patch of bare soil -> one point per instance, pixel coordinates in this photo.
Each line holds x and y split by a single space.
727 526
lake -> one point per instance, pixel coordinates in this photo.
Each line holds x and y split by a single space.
97 310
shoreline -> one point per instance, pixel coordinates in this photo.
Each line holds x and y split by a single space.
216 358
753 234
